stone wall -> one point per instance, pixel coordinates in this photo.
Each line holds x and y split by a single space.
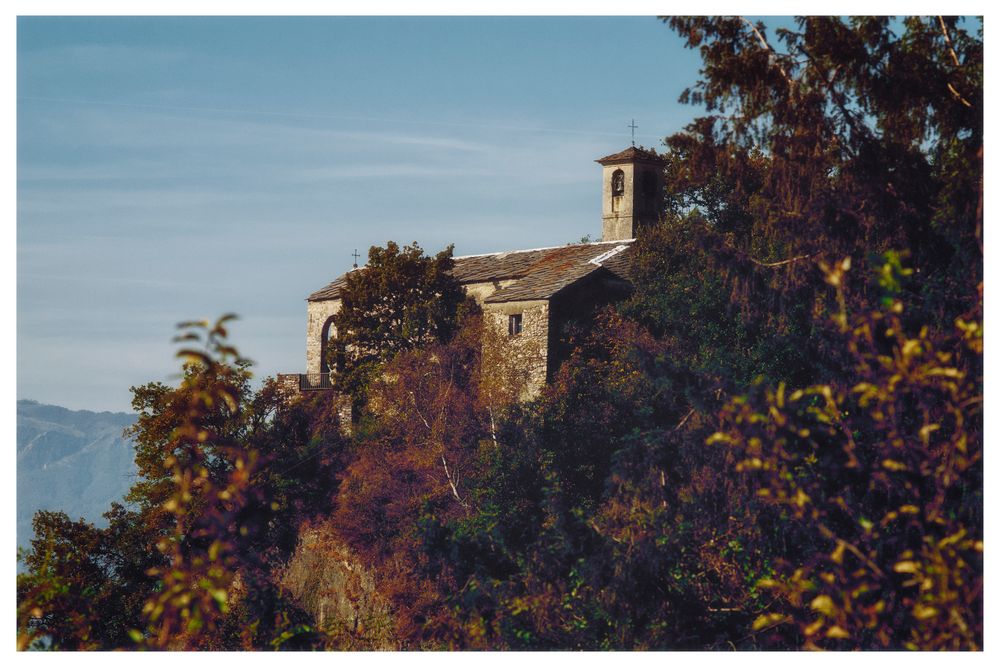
624 214
318 312
482 291
526 354
518 363
288 384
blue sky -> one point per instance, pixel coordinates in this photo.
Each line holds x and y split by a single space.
179 168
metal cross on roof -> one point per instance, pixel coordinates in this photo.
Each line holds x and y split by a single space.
355 255
633 126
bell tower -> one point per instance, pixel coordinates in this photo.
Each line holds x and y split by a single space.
632 189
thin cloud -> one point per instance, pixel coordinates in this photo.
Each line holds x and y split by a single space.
367 171
102 57
492 125
173 130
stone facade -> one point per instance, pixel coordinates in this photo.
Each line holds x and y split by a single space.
289 384
548 290
529 348
520 360
632 187
483 290
318 318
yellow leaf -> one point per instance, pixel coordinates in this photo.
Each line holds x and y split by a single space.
824 605
767 620
946 372
952 539
812 628
926 430
911 347
922 612
219 595
906 567
837 632
717 437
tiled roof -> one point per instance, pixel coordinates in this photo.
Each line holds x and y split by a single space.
539 273
331 291
496 266
544 282
631 154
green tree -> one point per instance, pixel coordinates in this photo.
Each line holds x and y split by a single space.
226 475
84 587
880 474
231 500
416 465
838 138
401 300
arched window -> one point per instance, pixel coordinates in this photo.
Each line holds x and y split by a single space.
331 352
617 183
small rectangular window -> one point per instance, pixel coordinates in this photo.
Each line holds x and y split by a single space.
514 324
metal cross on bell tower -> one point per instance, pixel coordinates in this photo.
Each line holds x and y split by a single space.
633 126
355 255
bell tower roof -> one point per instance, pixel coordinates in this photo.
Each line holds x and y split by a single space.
631 154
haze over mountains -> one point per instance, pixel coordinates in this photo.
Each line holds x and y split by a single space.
75 461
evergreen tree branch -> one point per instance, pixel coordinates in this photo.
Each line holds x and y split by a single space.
767 47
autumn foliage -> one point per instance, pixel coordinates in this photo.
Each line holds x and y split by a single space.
775 443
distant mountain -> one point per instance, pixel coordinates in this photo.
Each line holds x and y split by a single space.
75 461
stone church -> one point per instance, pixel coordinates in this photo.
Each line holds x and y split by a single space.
528 296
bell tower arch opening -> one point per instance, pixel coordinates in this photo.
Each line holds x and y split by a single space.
332 356
632 193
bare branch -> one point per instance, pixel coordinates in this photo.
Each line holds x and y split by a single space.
954 59
782 262
769 48
413 399
684 421
958 96
830 535
454 490
493 424
947 40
